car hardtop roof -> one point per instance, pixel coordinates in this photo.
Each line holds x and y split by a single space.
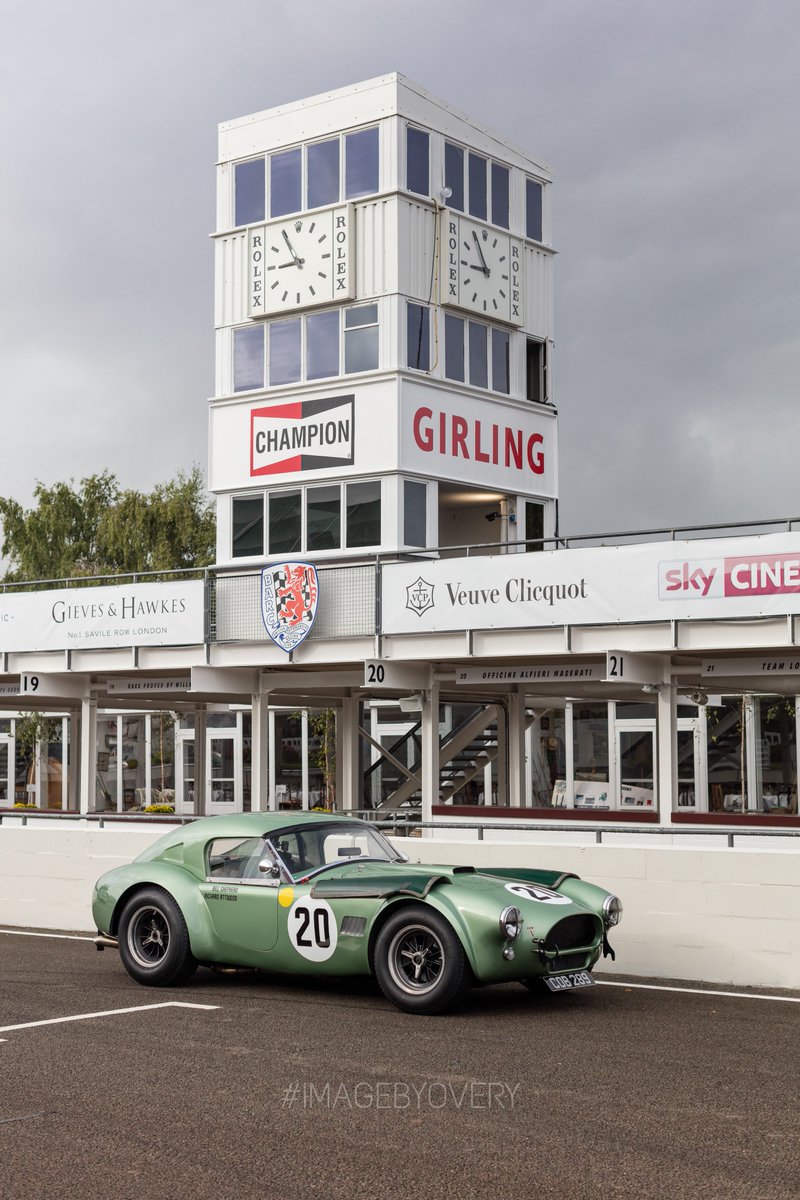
237 824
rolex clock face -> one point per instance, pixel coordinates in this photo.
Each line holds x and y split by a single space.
300 261
483 270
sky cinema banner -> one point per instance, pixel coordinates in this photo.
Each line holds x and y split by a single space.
692 580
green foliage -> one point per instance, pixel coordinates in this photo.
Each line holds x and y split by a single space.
32 728
97 528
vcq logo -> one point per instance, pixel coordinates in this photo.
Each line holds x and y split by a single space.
693 580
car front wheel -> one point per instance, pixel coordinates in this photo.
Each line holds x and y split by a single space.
419 962
154 941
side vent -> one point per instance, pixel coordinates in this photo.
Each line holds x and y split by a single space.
353 926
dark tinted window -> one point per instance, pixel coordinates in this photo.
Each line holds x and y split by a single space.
322 160
248 525
533 209
322 345
364 513
418 335
360 163
285 183
500 344
454 175
248 358
478 358
477 186
323 518
284 352
500 195
414 505
249 192
284 523
453 347
417 161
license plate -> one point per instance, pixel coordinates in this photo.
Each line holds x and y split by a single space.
574 979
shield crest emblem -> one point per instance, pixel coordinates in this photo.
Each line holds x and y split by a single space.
289 595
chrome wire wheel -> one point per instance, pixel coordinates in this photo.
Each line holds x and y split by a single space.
416 959
148 936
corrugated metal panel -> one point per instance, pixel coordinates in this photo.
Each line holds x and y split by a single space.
417 236
538 292
347 605
375 248
231 279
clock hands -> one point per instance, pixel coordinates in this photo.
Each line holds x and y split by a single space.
483 268
296 260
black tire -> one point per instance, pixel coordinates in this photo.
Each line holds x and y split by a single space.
419 961
154 941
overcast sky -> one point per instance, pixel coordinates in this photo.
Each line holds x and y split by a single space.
673 131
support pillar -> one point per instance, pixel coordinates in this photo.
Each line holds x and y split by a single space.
88 763
200 760
517 775
667 740
73 758
348 781
259 753
429 769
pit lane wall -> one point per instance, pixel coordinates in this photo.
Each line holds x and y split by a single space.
699 912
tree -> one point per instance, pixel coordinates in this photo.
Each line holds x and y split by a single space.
97 528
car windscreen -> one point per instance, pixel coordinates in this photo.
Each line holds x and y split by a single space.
306 848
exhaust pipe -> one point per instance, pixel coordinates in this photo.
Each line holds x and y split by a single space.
102 940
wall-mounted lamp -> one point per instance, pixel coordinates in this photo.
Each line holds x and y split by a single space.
412 703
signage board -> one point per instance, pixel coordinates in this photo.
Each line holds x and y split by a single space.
691 580
773 664
568 672
140 686
136 614
386 673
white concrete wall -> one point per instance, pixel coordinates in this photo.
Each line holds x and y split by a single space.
727 916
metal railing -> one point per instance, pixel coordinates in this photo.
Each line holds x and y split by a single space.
402 823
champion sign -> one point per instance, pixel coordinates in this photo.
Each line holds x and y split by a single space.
697 579
302 436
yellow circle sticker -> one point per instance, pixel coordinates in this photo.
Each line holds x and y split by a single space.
285 897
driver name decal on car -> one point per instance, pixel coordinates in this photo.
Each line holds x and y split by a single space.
535 891
312 929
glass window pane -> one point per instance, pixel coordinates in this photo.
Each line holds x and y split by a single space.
417 161
477 186
418 337
453 347
534 374
322 160
534 526
500 345
533 209
365 314
322 345
248 185
590 750
500 195
414 512
478 357
361 349
454 175
248 525
284 352
360 163
323 517
248 358
364 514
776 754
284 522
285 172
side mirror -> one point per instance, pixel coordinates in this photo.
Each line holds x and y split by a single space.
268 867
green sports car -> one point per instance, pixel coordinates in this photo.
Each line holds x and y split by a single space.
321 894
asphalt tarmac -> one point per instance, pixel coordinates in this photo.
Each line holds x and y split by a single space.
284 1089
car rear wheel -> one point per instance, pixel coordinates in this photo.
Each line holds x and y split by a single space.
419 962
154 941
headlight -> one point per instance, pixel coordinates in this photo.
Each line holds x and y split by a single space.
612 910
510 922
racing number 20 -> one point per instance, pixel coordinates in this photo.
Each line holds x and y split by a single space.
319 926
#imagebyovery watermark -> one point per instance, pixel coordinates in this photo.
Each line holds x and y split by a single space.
400 1094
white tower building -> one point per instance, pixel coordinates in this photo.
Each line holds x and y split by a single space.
383 331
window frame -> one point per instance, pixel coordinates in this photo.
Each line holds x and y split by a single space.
301 490
468 154
491 329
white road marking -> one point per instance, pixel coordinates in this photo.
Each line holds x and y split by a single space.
654 987
70 937
110 1012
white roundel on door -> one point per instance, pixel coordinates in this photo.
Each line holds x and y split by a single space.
312 929
535 891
